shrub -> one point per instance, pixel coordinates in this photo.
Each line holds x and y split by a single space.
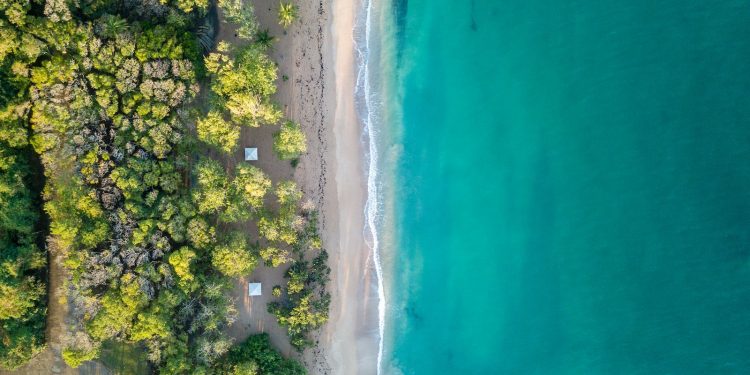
289 142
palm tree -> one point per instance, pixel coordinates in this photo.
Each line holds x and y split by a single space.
287 14
264 39
205 36
111 26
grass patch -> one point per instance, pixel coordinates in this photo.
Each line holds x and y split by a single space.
123 358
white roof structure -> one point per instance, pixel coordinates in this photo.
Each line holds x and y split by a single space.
251 153
253 289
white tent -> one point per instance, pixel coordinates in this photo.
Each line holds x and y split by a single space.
253 289
251 153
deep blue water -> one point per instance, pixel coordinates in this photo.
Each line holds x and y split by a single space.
571 191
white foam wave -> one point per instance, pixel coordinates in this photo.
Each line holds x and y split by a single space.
368 103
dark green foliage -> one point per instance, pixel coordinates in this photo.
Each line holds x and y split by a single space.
10 84
21 340
205 32
205 36
17 212
111 26
264 39
257 353
306 304
22 290
22 261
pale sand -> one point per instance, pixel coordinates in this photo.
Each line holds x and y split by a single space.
352 340
317 55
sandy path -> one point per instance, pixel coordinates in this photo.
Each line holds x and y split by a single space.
317 56
305 96
253 316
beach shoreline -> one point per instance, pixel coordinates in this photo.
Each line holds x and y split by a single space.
351 336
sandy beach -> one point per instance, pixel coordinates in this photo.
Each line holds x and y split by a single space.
353 329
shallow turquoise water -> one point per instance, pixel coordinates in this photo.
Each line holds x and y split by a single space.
572 189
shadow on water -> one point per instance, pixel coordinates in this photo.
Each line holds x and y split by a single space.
413 315
400 10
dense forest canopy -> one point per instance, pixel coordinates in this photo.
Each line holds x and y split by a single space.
22 259
22 256
103 93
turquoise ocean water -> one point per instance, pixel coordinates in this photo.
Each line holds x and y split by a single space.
565 185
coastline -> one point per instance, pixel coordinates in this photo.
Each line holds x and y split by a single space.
350 339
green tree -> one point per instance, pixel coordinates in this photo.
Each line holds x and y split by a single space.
289 142
278 228
22 294
233 258
17 213
176 356
252 110
181 261
297 278
200 234
275 257
20 341
150 324
74 357
244 85
287 14
211 195
241 13
264 39
215 131
298 319
112 26
246 193
188 6
79 348
257 354
288 195
276 291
